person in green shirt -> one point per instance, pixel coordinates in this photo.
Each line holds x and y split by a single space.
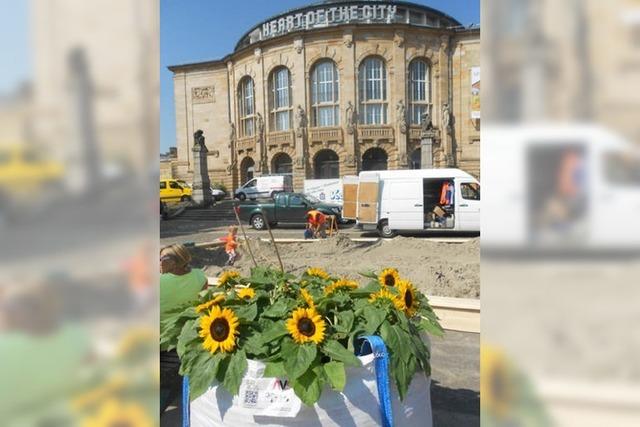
179 283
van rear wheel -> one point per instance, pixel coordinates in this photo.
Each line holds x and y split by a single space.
257 222
241 196
385 231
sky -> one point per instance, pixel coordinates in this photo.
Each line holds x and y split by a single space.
200 30
15 61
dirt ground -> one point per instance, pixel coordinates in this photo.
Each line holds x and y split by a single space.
437 268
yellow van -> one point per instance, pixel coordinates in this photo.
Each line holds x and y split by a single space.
172 191
24 170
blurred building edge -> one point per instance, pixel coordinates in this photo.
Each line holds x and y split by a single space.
95 88
576 60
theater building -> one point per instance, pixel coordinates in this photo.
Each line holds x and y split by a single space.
332 89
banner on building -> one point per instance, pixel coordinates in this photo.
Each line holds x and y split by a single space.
475 92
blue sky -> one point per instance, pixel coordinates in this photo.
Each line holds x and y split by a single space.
199 30
15 51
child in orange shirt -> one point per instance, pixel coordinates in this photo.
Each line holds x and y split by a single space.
231 244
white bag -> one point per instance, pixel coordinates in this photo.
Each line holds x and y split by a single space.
272 402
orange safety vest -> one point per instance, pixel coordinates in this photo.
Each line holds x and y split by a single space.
315 217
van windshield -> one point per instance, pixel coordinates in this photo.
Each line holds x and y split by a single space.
622 168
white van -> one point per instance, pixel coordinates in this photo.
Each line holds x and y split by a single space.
264 186
556 188
413 200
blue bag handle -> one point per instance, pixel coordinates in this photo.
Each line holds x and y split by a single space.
185 402
379 350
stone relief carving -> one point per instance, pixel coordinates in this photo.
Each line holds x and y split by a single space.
298 44
203 95
232 135
398 38
347 39
401 116
446 118
257 53
350 117
426 120
260 127
301 121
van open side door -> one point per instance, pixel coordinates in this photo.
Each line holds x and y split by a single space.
350 197
368 203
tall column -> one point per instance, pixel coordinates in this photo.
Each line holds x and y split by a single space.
398 97
445 150
300 138
201 183
348 104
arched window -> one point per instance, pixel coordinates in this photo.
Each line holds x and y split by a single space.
419 90
372 78
325 94
326 165
246 169
280 99
281 164
246 106
374 159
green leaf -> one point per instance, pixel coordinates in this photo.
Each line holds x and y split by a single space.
188 334
369 274
403 372
206 373
235 371
374 316
246 312
345 321
278 310
222 367
336 374
276 331
299 360
336 351
432 327
396 340
275 370
308 387
253 345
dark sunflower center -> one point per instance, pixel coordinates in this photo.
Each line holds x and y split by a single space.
408 299
306 327
389 280
219 329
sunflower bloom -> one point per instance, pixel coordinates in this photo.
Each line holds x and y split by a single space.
407 297
389 277
227 276
306 296
219 329
340 284
246 293
306 325
117 413
317 272
498 380
207 305
385 294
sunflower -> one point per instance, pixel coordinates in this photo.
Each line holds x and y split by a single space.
246 293
389 277
306 296
116 413
207 305
407 297
340 284
306 325
317 272
227 276
219 329
497 388
385 294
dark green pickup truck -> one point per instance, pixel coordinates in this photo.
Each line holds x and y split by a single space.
290 208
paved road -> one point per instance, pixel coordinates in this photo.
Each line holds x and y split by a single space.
455 386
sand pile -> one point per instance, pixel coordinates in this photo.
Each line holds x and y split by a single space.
443 269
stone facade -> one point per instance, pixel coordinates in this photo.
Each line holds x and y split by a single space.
207 98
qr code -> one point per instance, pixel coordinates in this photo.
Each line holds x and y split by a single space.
250 397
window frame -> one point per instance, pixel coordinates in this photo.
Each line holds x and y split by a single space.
418 106
275 109
376 82
247 107
319 105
